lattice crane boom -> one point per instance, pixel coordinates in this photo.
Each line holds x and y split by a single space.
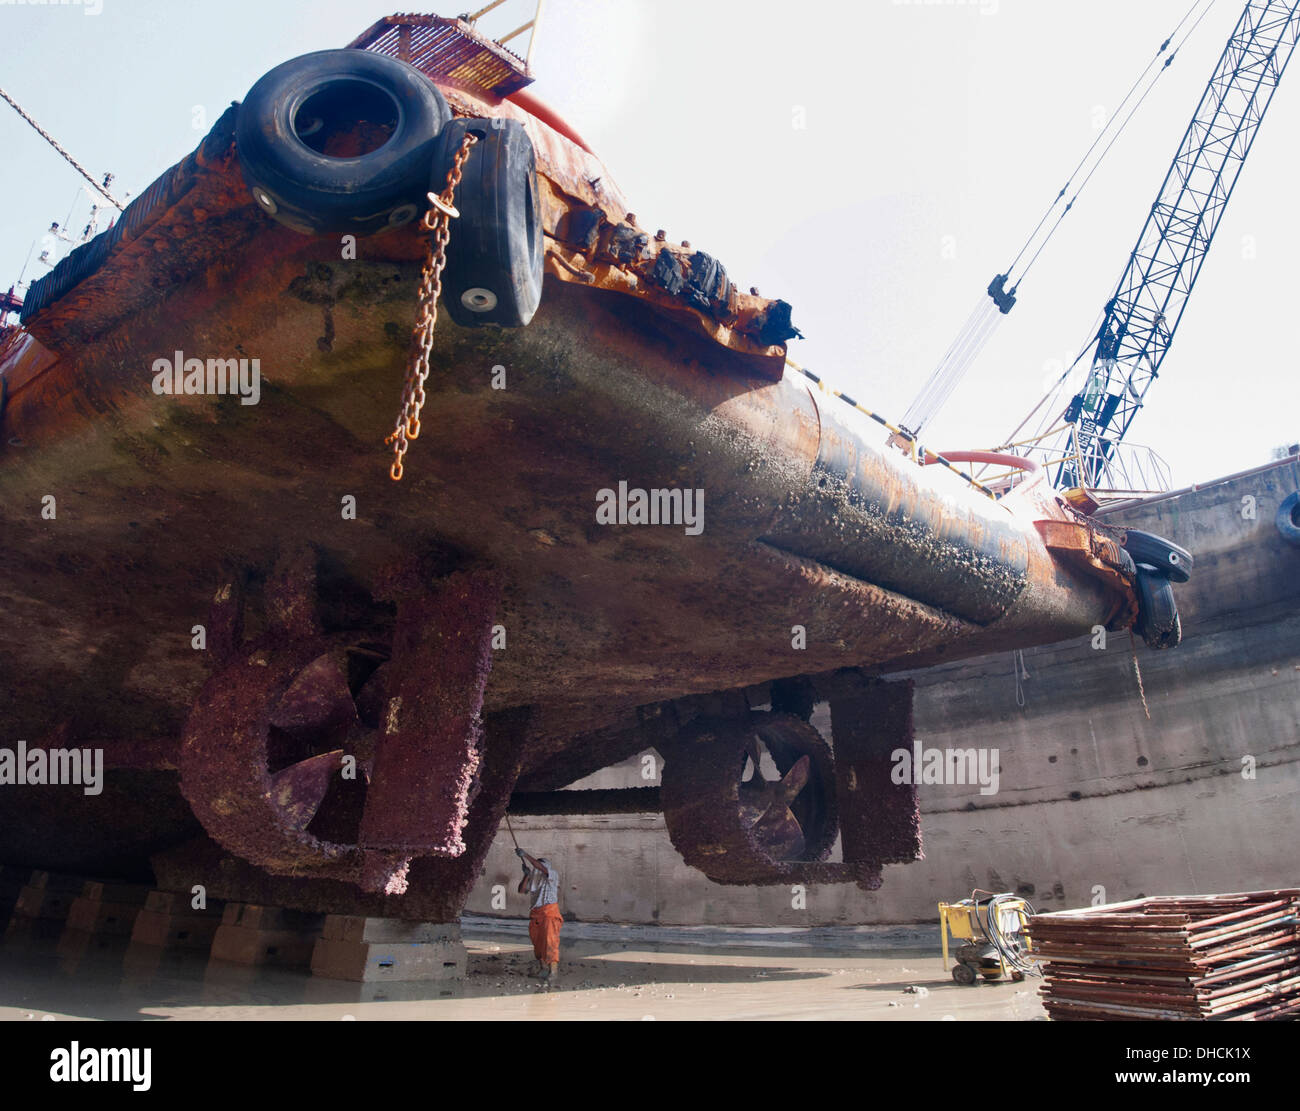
1142 317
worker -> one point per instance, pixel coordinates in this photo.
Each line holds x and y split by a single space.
542 881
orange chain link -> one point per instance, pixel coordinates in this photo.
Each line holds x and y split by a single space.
437 221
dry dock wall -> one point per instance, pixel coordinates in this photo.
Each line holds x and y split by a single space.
1094 802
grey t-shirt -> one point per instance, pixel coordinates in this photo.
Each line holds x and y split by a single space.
544 886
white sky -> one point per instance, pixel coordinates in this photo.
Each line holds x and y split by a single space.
924 121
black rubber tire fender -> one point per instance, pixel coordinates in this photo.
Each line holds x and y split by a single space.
288 115
496 252
1288 519
1168 558
1158 620
1174 637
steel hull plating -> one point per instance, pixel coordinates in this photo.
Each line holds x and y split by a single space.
125 510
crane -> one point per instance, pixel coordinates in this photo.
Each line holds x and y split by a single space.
1141 317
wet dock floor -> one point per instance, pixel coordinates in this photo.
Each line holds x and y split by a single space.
646 974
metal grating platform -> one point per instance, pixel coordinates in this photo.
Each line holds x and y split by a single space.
448 50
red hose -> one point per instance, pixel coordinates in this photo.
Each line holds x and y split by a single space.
542 111
997 459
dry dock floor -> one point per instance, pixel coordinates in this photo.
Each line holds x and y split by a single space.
607 973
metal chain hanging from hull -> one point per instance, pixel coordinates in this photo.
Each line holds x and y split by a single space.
437 221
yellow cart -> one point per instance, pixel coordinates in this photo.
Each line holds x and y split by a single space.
991 928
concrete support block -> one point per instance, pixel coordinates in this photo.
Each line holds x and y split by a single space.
369 950
168 920
259 935
43 904
107 908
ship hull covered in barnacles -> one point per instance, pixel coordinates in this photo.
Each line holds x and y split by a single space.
625 524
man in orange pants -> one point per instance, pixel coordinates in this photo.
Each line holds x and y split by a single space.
542 881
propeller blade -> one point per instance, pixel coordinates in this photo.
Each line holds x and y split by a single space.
338 818
794 781
298 790
318 702
754 804
752 751
779 832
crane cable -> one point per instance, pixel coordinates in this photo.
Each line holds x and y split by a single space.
1102 134
1132 111
54 143
979 327
974 334
1090 342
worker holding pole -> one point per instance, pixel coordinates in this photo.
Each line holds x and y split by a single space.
542 880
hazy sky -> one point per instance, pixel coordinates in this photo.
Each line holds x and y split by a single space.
934 135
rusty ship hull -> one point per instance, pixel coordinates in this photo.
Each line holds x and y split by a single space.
822 554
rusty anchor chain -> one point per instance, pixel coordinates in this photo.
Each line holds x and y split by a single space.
437 221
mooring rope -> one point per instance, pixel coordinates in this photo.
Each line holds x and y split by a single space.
1021 672
1137 670
54 143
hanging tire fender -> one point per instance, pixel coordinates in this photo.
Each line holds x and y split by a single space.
1168 558
1288 520
1158 621
496 253
340 141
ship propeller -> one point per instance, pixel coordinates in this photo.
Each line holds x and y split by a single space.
316 725
751 798
765 804
311 753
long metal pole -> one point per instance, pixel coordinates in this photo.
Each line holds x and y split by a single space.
532 39
472 19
